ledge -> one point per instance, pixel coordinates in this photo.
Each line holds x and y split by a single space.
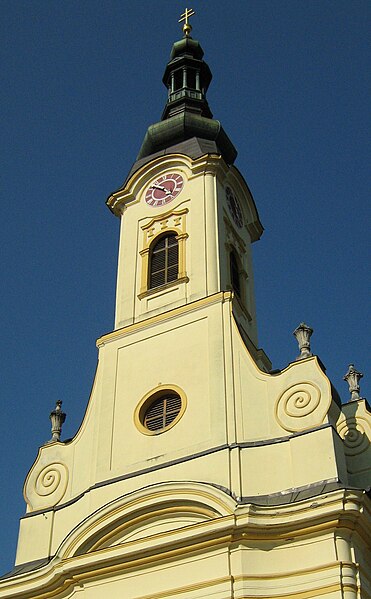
160 288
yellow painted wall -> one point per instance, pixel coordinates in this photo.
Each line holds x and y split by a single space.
245 495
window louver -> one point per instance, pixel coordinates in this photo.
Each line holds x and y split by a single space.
162 412
164 261
235 275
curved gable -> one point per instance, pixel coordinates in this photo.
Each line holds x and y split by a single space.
162 510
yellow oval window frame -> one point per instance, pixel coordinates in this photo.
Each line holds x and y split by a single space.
149 398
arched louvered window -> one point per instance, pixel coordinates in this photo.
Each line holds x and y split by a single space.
235 273
163 261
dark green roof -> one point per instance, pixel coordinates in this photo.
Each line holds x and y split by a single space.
183 126
187 45
187 114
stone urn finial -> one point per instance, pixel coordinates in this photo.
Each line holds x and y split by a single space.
57 418
352 377
303 334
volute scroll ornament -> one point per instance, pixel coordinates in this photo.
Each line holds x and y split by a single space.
356 434
300 407
46 485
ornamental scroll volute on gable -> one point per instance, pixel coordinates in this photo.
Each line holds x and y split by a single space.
354 427
48 480
304 397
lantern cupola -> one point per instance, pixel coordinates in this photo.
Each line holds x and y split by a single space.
187 78
187 121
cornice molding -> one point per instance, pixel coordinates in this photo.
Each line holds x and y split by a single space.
165 316
343 511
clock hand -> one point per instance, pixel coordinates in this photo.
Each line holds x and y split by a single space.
167 191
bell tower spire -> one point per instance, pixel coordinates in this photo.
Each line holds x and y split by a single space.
187 76
187 114
186 208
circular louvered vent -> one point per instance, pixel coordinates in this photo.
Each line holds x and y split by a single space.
162 412
160 409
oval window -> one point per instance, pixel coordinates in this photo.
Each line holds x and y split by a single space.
159 410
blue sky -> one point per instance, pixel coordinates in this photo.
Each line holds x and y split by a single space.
80 83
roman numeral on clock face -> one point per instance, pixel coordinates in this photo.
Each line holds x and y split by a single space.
164 189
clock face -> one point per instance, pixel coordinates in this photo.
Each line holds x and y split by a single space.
234 208
164 189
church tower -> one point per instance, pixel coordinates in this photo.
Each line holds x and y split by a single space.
197 471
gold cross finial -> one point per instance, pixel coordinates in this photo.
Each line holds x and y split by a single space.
187 27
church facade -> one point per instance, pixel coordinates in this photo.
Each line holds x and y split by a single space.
197 472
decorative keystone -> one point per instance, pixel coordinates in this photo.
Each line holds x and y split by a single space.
303 334
352 377
57 418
